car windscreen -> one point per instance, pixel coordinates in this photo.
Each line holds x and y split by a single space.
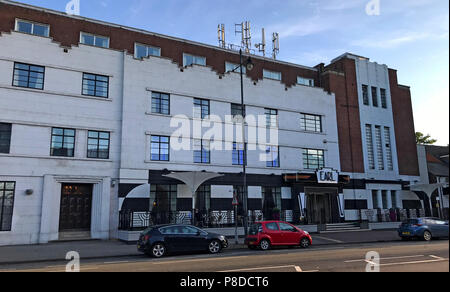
254 229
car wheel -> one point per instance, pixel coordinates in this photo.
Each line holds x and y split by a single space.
427 236
214 247
264 244
304 243
158 250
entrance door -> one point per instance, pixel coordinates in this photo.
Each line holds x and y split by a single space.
76 207
319 208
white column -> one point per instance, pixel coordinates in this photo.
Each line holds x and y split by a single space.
380 199
101 209
389 199
51 201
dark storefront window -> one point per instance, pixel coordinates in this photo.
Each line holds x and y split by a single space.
5 138
271 203
7 190
163 203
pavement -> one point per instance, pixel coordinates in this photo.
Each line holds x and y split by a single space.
115 249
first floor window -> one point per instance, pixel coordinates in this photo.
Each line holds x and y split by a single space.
63 142
160 146
32 28
311 123
143 51
202 152
160 103
28 76
201 108
5 137
271 117
237 110
94 40
273 155
6 205
313 159
95 85
239 154
191 59
98 145
272 75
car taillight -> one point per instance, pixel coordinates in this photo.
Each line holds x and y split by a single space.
146 237
418 225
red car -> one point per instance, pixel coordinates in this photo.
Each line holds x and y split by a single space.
275 233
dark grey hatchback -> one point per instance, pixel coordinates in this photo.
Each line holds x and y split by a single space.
160 240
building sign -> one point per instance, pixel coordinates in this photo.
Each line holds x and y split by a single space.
327 176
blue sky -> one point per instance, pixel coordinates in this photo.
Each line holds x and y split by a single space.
411 36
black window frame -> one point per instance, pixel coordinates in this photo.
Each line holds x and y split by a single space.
63 136
270 112
365 92
29 71
237 152
306 162
5 147
2 205
158 98
375 102
274 163
159 147
237 110
205 154
98 138
95 85
313 119
383 95
203 104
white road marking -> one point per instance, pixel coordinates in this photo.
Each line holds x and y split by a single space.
117 262
392 258
329 239
412 263
260 268
298 269
436 257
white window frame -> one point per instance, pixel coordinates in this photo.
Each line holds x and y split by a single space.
95 36
194 58
16 28
305 81
147 49
270 75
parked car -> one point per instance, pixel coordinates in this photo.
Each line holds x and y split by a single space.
159 241
423 228
265 235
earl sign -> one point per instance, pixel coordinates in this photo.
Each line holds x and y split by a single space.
327 176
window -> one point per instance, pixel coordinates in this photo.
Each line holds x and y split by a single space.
271 117
383 98
287 227
201 108
272 226
28 76
202 152
273 155
63 142
375 203
160 146
229 67
143 51
384 199
305 81
160 103
191 59
365 90
272 75
7 190
379 146
237 110
369 143
203 198
5 137
239 154
271 199
33 28
95 85
375 96
313 159
98 145
94 40
387 140
311 123
163 200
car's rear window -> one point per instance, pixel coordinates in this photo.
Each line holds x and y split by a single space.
254 229
411 222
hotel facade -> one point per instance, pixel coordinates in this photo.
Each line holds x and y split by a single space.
88 112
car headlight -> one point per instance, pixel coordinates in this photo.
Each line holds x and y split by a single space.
306 232
222 238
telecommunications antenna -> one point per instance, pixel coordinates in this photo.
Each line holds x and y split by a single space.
275 44
245 30
221 35
262 46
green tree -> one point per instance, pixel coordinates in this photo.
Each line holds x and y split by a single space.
421 139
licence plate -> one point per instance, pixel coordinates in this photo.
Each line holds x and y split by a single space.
406 233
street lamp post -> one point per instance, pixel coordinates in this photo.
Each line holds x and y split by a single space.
249 65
